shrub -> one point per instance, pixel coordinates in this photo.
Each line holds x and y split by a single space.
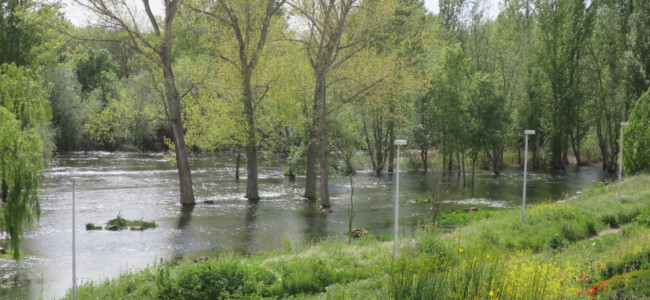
611 220
637 141
224 278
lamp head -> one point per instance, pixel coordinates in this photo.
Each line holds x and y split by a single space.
400 142
529 132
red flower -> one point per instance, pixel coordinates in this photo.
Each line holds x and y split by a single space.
603 284
582 279
595 288
579 293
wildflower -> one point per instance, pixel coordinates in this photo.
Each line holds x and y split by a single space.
603 284
582 279
600 266
579 293
595 288
461 250
563 297
491 293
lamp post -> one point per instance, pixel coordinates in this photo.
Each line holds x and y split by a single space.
398 143
74 244
523 200
620 161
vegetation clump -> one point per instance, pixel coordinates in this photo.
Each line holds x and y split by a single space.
120 223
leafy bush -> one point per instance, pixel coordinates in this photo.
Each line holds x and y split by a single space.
224 278
637 137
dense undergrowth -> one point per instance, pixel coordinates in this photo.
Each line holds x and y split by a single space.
592 247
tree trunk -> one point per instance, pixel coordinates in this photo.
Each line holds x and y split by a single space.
4 194
251 139
237 164
391 146
182 161
312 157
174 109
321 93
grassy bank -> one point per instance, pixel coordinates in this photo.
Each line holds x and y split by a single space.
589 247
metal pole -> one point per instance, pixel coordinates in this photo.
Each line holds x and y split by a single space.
396 205
620 162
523 201
74 250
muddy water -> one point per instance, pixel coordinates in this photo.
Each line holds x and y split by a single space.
143 186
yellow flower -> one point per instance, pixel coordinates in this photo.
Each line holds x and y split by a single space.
491 293
461 250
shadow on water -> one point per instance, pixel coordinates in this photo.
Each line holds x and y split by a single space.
185 217
250 226
315 221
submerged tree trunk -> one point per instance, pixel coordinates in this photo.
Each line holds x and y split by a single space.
173 106
320 97
252 192
237 164
391 146
312 157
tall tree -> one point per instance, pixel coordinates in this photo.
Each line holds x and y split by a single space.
563 28
250 29
154 40
328 47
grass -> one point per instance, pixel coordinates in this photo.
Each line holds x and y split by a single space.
561 252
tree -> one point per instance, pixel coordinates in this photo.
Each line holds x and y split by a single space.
637 137
488 118
24 120
329 44
250 30
563 28
155 44
610 95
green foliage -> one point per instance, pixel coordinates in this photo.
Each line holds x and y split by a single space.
637 138
225 278
122 223
24 120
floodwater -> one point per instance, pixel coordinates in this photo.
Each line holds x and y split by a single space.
144 186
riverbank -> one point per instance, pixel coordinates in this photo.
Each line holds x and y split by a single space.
557 254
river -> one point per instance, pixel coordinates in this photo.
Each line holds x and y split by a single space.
144 186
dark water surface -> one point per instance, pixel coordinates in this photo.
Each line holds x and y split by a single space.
144 186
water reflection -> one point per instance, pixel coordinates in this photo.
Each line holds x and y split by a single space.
249 227
315 221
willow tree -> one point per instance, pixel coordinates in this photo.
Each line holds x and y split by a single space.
24 115
153 39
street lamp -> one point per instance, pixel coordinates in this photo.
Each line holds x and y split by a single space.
523 201
398 143
620 161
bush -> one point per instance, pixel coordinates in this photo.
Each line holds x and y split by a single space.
611 220
637 141
225 278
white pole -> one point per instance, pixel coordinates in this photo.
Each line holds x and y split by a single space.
523 201
398 143
620 161
396 205
74 250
